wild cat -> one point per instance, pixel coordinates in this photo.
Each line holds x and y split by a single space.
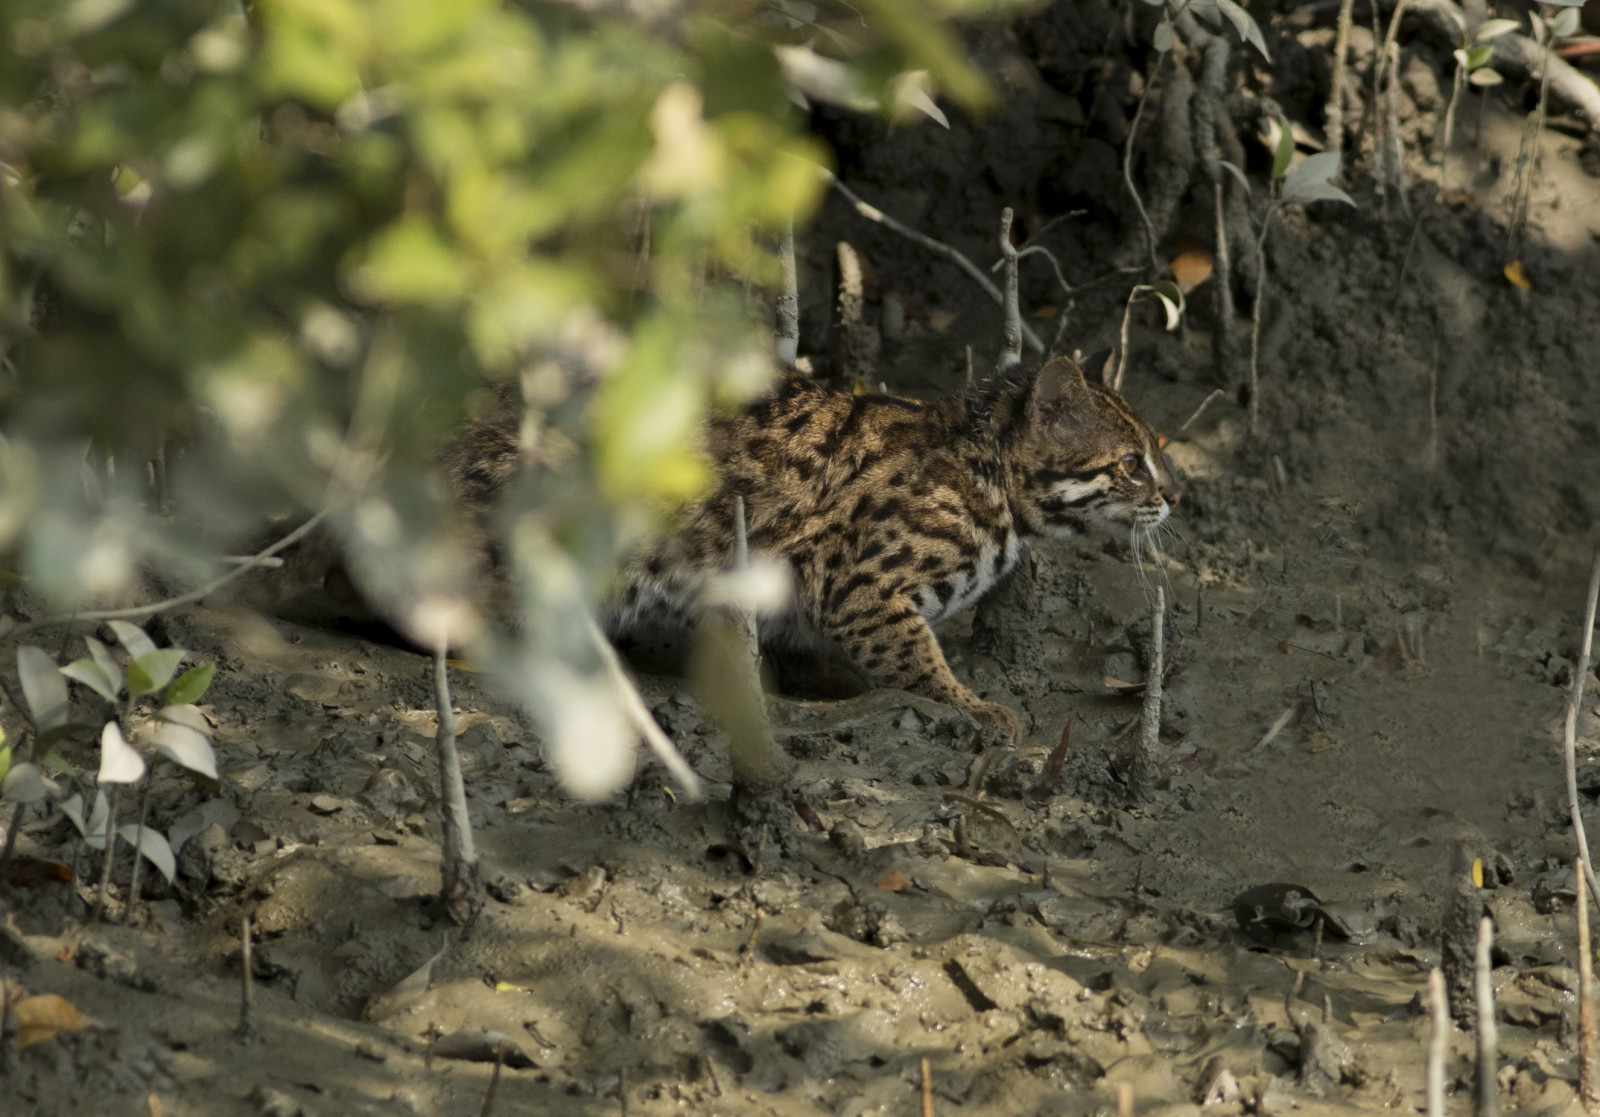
893 514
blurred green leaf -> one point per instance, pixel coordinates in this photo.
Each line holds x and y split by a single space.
153 670
189 687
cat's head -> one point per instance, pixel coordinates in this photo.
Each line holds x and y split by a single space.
1086 458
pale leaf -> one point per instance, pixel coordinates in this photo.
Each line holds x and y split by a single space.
43 687
133 638
119 761
154 847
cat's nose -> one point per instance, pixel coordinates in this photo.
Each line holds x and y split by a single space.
1173 496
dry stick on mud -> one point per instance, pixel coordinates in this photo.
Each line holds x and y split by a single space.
1142 772
1210 117
1385 95
494 1080
1341 51
1127 167
873 213
1011 328
1205 403
1488 1033
138 848
852 344
247 985
461 876
1569 730
639 716
787 342
1438 1043
99 909
727 679
1588 1083
927 1088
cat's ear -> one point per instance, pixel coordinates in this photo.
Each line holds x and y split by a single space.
1100 367
1056 389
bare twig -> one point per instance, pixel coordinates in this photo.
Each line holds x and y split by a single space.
1255 314
1569 734
138 850
1588 1081
247 981
494 1081
927 1088
1488 1032
1127 167
110 854
852 344
1438 1042
1142 772
1151 728
1205 403
788 329
873 213
1341 50
1052 769
643 723
1011 328
461 878
1386 96
1528 156
138 611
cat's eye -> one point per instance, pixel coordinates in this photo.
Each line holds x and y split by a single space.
1132 462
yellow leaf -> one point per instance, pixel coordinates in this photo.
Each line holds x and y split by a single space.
40 1018
1517 276
1477 862
509 987
1190 268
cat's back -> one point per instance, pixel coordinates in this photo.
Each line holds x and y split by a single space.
808 446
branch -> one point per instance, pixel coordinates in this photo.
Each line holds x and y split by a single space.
1011 349
873 213
1569 735
788 335
633 706
136 612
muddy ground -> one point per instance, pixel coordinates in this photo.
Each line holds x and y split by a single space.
1377 604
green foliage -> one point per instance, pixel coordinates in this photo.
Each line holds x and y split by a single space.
284 254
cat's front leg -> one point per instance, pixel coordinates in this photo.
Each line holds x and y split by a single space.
892 642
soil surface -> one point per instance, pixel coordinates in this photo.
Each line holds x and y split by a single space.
1375 613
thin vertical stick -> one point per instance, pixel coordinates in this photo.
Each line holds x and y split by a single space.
1011 349
787 343
1587 1083
1488 1033
1341 48
1152 687
461 877
138 850
1569 736
111 852
1438 1043
927 1088
247 991
494 1081
1127 168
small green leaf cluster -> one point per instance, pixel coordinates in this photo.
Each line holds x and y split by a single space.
179 731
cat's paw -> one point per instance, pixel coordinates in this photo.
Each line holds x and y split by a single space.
1000 720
